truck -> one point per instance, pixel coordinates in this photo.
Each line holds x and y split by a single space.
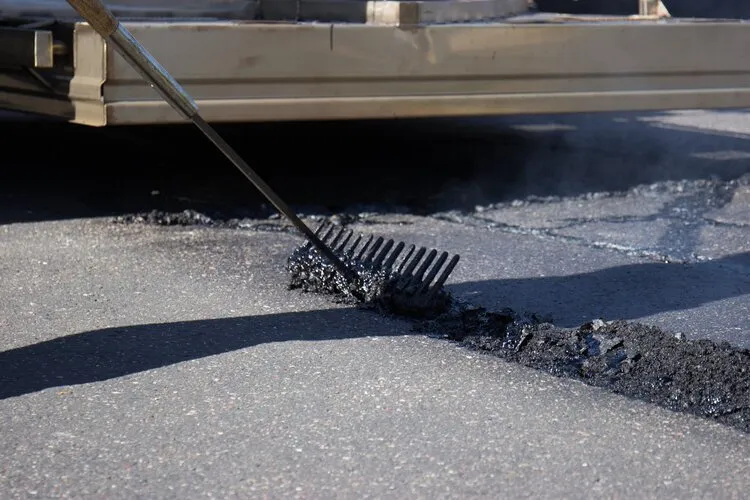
295 60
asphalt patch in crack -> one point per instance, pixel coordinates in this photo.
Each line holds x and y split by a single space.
699 377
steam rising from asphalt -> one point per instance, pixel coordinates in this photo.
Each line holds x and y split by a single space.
567 156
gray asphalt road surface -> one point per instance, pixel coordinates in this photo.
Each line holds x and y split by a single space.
139 360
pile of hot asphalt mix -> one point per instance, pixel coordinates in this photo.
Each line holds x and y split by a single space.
694 376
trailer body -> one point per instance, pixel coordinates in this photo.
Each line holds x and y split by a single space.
400 65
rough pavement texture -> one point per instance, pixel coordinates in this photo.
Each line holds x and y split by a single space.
172 361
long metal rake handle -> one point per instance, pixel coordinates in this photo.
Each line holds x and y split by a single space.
104 22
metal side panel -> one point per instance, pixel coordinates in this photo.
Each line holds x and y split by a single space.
69 83
290 72
264 72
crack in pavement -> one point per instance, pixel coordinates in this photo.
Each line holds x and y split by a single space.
550 235
734 225
686 215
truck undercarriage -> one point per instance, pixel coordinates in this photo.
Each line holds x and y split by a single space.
391 67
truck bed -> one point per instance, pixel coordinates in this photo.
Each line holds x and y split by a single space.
244 70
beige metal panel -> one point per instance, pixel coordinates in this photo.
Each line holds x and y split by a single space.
318 52
90 63
241 110
652 8
250 72
343 71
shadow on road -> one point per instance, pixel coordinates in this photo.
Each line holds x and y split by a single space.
625 292
629 292
415 165
115 352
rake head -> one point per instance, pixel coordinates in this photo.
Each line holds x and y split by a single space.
391 275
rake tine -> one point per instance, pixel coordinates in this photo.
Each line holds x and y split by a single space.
415 280
406 259
381 255
373 249
396 251
335 241
425 264
346 240
413 263
364 248
444 276
433 272
328 234
354 246
309 244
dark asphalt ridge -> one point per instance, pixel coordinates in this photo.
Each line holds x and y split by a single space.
699 377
